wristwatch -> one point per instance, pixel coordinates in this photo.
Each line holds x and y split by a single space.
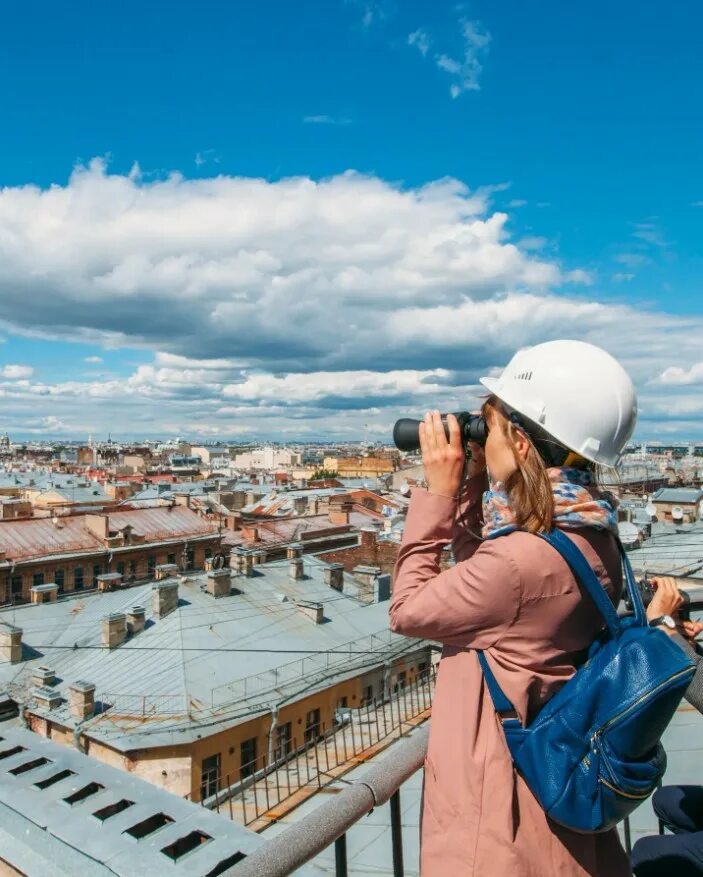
665 620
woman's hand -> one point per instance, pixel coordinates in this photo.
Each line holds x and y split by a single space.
667 599
690 630
443 459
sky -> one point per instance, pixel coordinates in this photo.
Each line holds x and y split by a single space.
237 220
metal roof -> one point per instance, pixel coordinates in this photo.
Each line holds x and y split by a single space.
678 494
43 832
676 550
177 674
38 537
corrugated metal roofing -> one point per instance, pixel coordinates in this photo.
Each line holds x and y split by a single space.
678 494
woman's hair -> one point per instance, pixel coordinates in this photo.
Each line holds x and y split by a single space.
529 488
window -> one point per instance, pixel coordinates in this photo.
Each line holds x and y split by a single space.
284 741
342 703
248 758
38 579
210 776
208 553
422 671
97 570
16 585
132 569
400 682
59 578
189 557
171 558
312 726
78 578
367 695
151 565
120 568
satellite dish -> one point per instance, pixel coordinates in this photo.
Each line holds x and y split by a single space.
629 534
405 488
651 510
677 513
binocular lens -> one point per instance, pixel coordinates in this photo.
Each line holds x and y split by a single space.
406 432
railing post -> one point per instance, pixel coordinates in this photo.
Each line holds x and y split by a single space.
628 839
396 835
340 856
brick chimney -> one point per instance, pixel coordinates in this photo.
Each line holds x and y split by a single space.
295 569
368 537
47 698
334 576
114 630
43 676
44 593
260 557
10 643
313 611
294 550
366 575
135 620
81 700
165 571
219 582
339 514
164 598
246 565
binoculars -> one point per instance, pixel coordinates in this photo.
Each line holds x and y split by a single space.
473 428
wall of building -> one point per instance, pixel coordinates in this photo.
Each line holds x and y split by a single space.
690 511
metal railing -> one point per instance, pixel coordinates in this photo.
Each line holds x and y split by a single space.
259 790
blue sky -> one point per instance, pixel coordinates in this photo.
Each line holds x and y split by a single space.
580 125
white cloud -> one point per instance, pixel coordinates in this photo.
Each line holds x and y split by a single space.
327 120
421 40
517 202
310 306
205 156
676 375
623 276
467 70
93 360
17 372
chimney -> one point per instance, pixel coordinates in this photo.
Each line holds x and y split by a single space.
44 593
368 537
382 588
366 575
339 514
251 534
164 598
114 630
300 505
43 676
165 571
311 610
294 550
135 620
47 698
219 583
295 569
98 525
246 565
334 576
10 643
81 700
260 557
109 580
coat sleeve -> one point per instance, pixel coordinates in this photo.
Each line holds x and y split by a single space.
469 605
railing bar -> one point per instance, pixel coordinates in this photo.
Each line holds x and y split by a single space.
317 764
351 731
340 856
397 835
628 839
336 751
253 786
266 784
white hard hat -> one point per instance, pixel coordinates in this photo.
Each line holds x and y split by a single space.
579 394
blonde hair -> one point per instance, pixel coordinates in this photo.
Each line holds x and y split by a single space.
529 488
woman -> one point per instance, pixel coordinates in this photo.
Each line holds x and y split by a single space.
558 409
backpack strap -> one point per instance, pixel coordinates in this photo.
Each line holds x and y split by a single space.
581 569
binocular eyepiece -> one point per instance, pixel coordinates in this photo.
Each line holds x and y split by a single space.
472 427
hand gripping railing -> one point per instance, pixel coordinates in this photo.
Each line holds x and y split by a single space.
329 822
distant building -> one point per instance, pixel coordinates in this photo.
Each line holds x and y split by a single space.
267 459
678 504
359 467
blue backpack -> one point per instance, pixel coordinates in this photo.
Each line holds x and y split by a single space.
592 753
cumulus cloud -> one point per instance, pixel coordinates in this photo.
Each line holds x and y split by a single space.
15 372
317 307
677 375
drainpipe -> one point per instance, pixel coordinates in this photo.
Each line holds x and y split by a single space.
272 729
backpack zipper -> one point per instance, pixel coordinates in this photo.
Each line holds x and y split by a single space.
640 797
646 696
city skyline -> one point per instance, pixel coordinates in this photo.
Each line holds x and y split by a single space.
303 223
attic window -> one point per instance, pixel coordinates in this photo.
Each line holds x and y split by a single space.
112 809
29 765
56 778
8 753
148 826
187 844
222 866
83 793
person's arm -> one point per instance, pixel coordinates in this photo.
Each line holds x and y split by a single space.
470 604
666 601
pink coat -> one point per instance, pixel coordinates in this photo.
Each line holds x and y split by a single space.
515 598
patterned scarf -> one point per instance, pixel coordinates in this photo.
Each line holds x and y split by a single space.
577 503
